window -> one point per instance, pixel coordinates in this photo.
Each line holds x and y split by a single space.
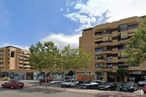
100 65
12 53
133 26
98 49
98 33
121 47
109 58
122 27
97 65
98 57
109 65
125 27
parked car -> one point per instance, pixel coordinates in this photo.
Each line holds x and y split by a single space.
89 85
142 83
13 84
144 89
56 83
107 86
128 87
69 83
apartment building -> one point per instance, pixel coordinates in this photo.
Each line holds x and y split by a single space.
14 62
106 43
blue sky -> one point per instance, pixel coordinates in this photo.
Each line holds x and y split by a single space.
25 22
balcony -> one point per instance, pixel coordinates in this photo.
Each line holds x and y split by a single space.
98 36
130 32
114 68
100 61
103 44
115 42
115 33
123 60
115 59
103 69
26 66
115 51
123 41
98 39
104 52
112 60
20 65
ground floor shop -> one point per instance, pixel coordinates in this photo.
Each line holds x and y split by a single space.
114 77
17 75
104 76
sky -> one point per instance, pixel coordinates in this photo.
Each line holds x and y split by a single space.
25 22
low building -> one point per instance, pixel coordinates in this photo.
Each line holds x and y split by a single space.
14 62
106 43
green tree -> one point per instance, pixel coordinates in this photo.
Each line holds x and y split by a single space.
122 72
136 47
44 55
74 59
69 58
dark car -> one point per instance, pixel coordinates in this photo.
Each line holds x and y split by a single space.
107 86
128 87
13 84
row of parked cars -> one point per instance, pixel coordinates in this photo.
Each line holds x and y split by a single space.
128 86
96 84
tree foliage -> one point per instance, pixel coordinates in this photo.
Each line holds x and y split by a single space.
46 56
136 47
122 72
43 55
74 58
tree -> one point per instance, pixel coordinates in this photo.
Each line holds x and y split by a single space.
136 47
122 72
43 56
74 59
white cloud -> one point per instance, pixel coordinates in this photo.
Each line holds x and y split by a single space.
19 46
93 12
62 40
88 13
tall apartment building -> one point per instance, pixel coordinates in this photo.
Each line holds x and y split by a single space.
14 62
106 43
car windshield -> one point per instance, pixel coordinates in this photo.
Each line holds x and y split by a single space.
127 84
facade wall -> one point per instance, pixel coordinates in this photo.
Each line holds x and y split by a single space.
14 61
106 43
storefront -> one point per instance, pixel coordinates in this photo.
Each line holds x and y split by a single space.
137 75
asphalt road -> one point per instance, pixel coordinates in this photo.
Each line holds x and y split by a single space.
48 92
28 92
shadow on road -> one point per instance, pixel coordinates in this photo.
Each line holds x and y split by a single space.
32 89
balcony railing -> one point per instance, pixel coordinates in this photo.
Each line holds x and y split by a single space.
105 52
